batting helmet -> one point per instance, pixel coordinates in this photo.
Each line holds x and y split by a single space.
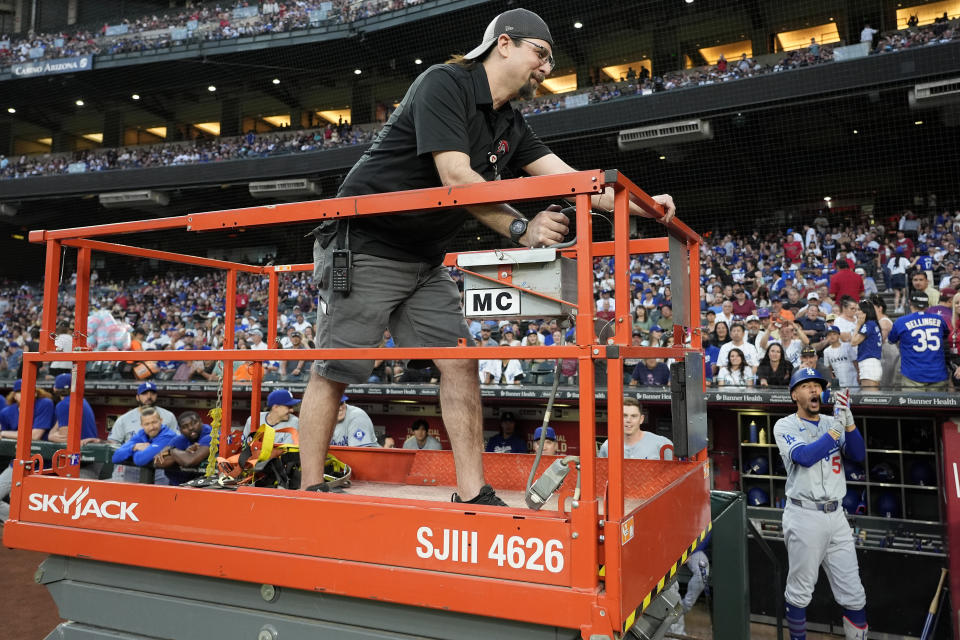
854 471
921 473
758 465
888 505
883 472
851 501
806 373
757 497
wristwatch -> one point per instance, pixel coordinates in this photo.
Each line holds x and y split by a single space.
517 228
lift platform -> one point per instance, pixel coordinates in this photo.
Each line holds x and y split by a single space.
589 563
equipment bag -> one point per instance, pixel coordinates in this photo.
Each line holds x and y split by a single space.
263 463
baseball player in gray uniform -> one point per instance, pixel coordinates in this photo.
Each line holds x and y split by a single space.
129 423
279 415
354 427
644 445
815 528
637 443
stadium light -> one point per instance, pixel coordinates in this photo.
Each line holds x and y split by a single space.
11 110
827 198
211 88
135 96
663 157
276 81
578 25
918 122
856 131
357 71
418 61
79 103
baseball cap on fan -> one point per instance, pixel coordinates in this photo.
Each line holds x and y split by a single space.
516 23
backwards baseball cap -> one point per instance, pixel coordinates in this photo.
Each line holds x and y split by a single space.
62 381
551 434
516 23
146 386
920 300
281 396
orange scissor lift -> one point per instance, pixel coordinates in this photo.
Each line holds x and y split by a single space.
393 545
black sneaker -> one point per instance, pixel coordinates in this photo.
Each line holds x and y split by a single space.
324 487
486 496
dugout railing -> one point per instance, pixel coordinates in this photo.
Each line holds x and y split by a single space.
593 563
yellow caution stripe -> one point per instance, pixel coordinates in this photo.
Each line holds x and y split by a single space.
666 578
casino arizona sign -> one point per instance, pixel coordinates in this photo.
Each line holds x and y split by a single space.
51 67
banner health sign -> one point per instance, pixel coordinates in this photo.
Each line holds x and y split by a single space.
50 67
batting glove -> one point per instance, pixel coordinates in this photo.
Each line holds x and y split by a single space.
841 409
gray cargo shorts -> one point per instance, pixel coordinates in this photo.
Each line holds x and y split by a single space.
418 302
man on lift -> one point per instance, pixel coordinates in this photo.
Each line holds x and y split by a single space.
455 126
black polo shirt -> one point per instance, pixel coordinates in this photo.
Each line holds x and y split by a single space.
447 108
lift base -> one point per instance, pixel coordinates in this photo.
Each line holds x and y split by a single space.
111 601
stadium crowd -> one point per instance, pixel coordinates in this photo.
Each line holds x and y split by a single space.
254 145
203 21
216 21
202 150
634 83
845 295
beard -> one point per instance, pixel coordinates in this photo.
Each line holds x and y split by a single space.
528 90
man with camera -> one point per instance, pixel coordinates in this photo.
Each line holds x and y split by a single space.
790 336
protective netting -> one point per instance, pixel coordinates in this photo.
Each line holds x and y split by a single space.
771 116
